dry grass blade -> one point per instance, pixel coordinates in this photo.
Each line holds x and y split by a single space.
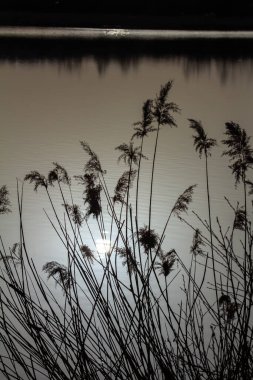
140 321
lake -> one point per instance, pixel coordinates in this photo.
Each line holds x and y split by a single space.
60 87
52 99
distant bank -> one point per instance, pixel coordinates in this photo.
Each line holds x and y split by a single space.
186 22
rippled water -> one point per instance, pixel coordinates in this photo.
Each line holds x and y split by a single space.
50 103
62 86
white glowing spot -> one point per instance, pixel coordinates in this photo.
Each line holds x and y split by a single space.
116 32
103 245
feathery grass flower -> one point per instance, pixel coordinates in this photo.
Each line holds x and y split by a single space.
38 179
4 200
75 213
92 193
148 238
130 154
93 165
183 201
167 262
59 272
197 243
240 218
228 308
124 183
239 150
163 109
87 253
127 255
201 142
59 173
15 254
144 127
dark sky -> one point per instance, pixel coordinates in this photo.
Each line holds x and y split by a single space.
223 7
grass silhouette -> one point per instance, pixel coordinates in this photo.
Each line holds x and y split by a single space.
114 322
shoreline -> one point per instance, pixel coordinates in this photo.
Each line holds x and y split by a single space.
68 33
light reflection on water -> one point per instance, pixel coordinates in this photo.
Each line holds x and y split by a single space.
94 33
51 102
47 110
71 48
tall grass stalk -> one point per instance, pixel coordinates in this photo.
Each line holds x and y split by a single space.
140 309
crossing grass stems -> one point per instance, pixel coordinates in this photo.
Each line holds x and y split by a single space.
123 324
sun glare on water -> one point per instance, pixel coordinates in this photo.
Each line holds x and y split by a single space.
103 246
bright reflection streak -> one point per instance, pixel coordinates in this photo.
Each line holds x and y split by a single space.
103 245
116 33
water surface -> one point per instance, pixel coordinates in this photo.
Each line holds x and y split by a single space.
59 87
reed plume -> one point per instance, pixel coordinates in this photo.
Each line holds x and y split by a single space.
38 179
239 150
4 200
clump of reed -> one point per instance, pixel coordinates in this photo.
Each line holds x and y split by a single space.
122 324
